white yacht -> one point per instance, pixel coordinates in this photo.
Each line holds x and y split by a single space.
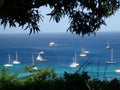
16 60
74 62
83 55
52 44
117 70
9 64
86 52
42 52
35 68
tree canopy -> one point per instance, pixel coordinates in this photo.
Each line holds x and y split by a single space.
85 16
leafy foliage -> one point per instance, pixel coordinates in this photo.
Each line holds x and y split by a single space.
29 68
86 16
47 79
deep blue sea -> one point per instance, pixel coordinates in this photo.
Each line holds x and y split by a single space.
61 55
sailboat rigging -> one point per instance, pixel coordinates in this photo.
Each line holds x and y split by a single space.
74 63
16 60
83 52
108 45
9 64
40 58
33 64
111 60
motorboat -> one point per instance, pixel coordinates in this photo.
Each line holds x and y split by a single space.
35 68
52 44
42 52
86 52
117 70
83 54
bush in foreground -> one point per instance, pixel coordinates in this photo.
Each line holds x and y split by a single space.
47 79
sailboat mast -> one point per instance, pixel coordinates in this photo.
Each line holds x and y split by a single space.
75 57
33 63
112 54
16 56
108 43
9 58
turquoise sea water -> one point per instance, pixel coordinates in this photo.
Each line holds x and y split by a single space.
60 56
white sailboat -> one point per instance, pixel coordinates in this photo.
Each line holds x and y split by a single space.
9 64
108 45
16 60
74 63
40 58
83 52
33 64
111 60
